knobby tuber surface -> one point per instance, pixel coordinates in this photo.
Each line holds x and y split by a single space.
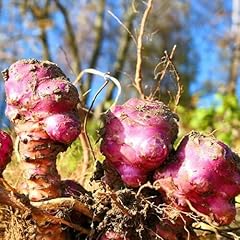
109 235
138 138
42 105
205 175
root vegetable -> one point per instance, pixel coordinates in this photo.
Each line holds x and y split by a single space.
63 128
6 147
138 138
110 235
36 89
205 175
42 105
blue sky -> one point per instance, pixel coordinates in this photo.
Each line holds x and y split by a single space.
209 62
211 65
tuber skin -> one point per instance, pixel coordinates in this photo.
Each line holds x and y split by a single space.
165 231
71 188
137 138
42 104
40 88
57 124
6 148
205 174
110 235
173 229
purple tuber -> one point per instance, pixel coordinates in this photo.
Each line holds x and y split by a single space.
205 175
64 128
137 138
42 104
6 147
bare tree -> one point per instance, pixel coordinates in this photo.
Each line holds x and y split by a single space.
124 44
41 16
234 62
99 34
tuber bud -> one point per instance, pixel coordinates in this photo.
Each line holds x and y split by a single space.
64 128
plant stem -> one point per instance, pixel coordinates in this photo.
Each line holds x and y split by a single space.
138 73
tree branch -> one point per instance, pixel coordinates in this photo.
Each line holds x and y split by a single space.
39 15
77 69
44 40
99 29
124 44
233 72
71 39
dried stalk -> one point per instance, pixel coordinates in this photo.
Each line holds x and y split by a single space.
123 25
138 73
85 165
124 44
103 75
167 61
71 37
86 144
37 210
64 202
43 36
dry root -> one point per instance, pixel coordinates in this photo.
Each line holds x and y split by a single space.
135 214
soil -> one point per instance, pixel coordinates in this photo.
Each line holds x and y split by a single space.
130 214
